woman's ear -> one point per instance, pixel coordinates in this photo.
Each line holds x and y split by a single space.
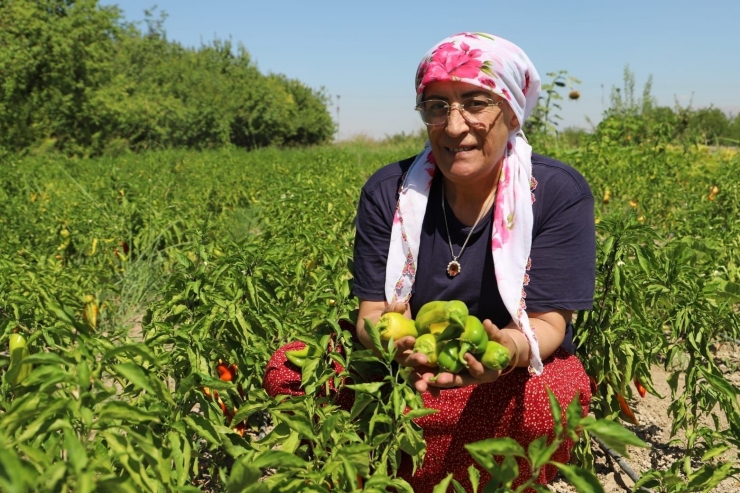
513 121
510 118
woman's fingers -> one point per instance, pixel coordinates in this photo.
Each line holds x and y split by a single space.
475 375
500 336
475 367
494 333
398 307
420 379
405 354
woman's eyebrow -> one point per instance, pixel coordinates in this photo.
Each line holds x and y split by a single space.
471 94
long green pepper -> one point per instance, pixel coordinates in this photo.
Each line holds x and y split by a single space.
444 319
298 356
18 370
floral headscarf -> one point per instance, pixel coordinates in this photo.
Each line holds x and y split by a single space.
502 68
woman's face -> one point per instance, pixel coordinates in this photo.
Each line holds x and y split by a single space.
467 153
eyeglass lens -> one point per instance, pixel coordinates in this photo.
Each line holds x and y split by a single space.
436 111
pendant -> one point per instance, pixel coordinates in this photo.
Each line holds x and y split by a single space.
453 268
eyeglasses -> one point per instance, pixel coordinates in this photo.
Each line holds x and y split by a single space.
476 110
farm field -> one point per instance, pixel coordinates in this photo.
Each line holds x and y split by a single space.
139 280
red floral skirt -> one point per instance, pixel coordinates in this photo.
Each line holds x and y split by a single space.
515 406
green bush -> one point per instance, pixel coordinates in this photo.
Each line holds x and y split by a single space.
79 79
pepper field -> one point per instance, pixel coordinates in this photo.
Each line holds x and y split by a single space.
131 277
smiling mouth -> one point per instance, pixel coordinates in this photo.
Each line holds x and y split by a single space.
460 149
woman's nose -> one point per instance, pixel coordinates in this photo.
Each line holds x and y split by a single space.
456 122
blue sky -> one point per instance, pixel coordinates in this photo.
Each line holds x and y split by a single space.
366 52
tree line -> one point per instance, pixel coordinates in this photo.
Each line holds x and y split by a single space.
78 78
633 118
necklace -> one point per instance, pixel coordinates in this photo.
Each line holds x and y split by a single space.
454 267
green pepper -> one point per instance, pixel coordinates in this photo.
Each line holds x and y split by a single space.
457 313
18 370
395 325
449 357
427 344
444 331
444 319
473 339
496 356
430 313
298 356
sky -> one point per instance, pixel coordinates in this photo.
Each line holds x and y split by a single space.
364 54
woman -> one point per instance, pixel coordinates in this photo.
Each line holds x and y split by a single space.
477 217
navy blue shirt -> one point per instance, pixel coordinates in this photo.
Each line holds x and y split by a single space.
563 255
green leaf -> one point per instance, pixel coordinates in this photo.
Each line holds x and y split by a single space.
297 423
213 383
458 487
48 377
65 314
720 384
443 485
119 410
245 477
486 69
474 476
203 428
361 402
76 454
540 452
574 413
374 336
483 452
372 388
419 413
613 434
46 359
583 480
709 476
134 374
715 452
132 350
278 459
52 475
411 441
47 414
556 412
15 475
497 447
247 410
642 259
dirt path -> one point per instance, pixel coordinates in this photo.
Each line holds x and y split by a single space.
655 429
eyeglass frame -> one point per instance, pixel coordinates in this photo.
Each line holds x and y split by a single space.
450 106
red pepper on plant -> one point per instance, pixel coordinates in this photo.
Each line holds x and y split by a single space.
640 388
227 373
627 413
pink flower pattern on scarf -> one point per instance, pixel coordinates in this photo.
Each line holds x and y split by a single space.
451 63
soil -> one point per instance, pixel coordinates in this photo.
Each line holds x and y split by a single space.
655 429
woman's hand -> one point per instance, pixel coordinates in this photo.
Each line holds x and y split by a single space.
476 373
373 310
405 355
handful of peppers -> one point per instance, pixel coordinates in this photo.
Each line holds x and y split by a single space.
445 332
